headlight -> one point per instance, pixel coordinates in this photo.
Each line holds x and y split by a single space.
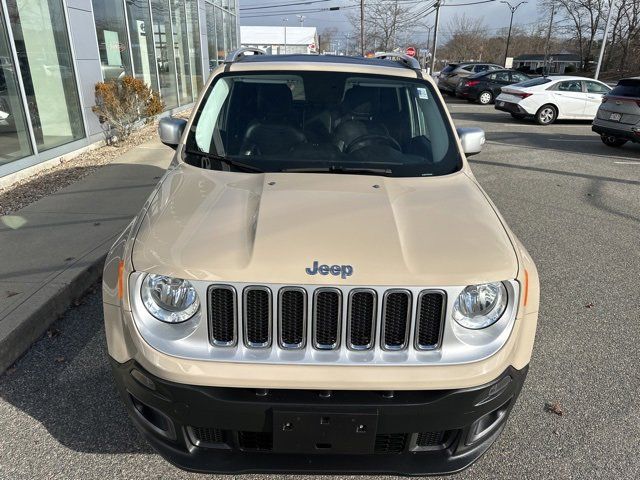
170 300
479 306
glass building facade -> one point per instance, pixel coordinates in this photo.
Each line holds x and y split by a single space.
53 52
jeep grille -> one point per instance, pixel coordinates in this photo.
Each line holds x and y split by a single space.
368 319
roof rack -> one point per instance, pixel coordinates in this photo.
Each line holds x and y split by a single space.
401 58
239 54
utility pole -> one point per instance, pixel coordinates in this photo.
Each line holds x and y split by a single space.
546 45
513 10
604 39
284 22
301 19
362 27
435 38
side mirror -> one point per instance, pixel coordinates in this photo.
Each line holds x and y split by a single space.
472 140
171 130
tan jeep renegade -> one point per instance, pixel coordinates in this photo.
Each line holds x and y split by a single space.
318 283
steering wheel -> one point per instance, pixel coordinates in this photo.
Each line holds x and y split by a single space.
370 140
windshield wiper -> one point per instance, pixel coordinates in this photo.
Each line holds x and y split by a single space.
385 172
226 161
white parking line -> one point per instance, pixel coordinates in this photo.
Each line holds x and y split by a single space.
627 163
573 140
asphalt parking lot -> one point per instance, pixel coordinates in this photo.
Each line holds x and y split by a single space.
572 201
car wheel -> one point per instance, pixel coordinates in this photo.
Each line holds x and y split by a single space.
611 141
518 116
485 98
546 115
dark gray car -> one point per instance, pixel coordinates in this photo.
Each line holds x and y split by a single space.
618 118
451 75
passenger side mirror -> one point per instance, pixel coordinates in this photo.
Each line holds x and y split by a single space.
472 140
171 130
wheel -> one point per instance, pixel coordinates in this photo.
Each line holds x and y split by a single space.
546 115
518 116
611 141
485 98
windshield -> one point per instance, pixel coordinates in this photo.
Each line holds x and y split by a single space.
322 122
534 82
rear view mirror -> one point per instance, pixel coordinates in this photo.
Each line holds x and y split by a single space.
171 130
472 140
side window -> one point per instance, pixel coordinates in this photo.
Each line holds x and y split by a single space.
502 77
570 86
481 68
598 88
492 77
468 68
518 77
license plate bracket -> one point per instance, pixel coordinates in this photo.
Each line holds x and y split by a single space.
324 433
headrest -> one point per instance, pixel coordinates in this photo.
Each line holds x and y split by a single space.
360 100
274 99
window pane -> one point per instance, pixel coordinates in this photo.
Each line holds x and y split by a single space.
14 137
222 52
195 53
40 35
211 36
142 42
164 52
227 32
181 50
112 38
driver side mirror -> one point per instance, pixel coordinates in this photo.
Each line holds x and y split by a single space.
170 131
472 140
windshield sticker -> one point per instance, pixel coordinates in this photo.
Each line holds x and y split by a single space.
422 93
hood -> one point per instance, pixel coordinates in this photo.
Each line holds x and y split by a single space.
274 227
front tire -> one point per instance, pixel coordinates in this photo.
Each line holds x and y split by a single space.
485 98
546 115
611 141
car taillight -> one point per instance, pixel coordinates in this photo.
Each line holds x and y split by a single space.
522 95
472 83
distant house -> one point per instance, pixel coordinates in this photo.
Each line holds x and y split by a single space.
280 40
556 62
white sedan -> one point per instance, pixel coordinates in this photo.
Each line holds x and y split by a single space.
547 99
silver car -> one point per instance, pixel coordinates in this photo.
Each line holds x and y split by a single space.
451 75
618 118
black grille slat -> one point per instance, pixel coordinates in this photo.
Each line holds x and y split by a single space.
362 314
430 439
222 315
207 435
429 325
293 308
262 441
257 317
327 308
397 307
390 442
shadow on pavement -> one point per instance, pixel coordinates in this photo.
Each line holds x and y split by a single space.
64 383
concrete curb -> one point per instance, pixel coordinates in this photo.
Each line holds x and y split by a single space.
31 319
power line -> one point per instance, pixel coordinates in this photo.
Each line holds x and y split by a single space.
292 12
262 7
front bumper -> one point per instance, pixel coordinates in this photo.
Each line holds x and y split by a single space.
242 430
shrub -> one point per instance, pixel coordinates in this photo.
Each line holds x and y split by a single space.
120 104
571 68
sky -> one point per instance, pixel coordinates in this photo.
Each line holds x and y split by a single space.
495 14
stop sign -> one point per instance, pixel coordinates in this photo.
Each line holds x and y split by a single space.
411 52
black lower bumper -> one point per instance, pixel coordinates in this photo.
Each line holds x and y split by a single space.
241 430
511 108
631 136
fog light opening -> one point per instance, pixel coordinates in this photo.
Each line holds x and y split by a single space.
487 424
153 419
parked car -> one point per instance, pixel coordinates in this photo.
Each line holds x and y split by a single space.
618 118
484 87
547 99
454 72
319 283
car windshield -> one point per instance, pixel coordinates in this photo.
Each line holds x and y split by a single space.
534 82
322 122
627 88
